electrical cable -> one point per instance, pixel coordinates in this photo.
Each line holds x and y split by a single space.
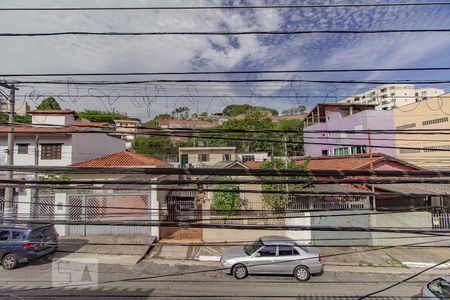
232 7
218 33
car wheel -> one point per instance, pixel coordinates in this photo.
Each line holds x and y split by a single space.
302 273
240 272
10 261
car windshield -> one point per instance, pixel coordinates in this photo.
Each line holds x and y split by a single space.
250 249
440 288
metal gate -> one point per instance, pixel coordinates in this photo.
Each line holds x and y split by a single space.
43 207
108 207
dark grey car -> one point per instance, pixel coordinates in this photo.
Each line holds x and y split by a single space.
272 255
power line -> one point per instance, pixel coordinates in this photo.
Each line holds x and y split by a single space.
404 280
231 7
224 171
227 72
226 33
132 82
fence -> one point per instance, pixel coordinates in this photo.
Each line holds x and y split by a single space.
440 220
108 207
43 207
329 203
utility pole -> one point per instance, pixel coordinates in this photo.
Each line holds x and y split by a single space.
369 136
36 163
9 191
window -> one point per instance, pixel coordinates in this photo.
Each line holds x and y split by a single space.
341 151
203 157
440 288
435 121
246 158
226 157
22 148
359 149
51 151
436 148
383 90
4 235
404 151
285 250
17 235
406 126
268 251
324 152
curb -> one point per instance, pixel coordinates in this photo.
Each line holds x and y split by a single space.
209 258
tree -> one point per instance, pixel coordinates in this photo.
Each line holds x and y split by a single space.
290 125
203 115
280 202
226 203
157 146
49 103
103 116
238 109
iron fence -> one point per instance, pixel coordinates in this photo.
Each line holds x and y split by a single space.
440 220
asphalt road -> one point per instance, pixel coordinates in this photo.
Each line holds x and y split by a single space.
160 281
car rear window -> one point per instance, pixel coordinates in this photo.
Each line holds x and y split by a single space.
4 234
440 287
42 232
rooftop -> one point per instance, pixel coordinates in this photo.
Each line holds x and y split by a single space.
52 112
122 159
126 121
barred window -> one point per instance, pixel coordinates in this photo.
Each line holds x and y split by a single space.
203 157
435 121
22 148
51 151
436 148
406 126
404 151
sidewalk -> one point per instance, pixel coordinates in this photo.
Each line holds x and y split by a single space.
401 260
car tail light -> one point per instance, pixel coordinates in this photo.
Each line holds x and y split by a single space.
26 245
320 259
421 292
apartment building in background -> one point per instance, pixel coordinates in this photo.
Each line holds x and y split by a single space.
21 107
327 117
126 130
390 96
430 114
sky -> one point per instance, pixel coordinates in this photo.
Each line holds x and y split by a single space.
216 53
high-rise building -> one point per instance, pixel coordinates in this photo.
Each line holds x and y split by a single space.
390 96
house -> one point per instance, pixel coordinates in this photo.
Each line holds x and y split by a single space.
175 123
57 138
254 156
103 202
205 156
427 115
21 107
324 118
126 130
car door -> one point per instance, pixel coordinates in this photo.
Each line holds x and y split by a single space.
287 259
4 237
261 262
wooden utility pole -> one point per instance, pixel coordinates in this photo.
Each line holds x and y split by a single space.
9 191
371 167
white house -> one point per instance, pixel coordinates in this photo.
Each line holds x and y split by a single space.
62 140
126 130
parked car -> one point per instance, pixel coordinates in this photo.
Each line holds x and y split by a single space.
438 288
20 244
272 255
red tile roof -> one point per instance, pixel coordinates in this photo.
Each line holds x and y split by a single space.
342 162
168 122
88 123
28 129
52 112
122 159
126 121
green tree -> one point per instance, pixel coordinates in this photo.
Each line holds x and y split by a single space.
156 146
103 116
238 109
203 115
280 202
154 122
226 203
49 103
295 147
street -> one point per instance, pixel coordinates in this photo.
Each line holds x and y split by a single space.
160 281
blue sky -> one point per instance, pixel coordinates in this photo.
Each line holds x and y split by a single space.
220 53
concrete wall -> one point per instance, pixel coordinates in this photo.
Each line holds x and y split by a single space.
413 116
63 119
91 145
28 159
408 220
236 235
369 119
